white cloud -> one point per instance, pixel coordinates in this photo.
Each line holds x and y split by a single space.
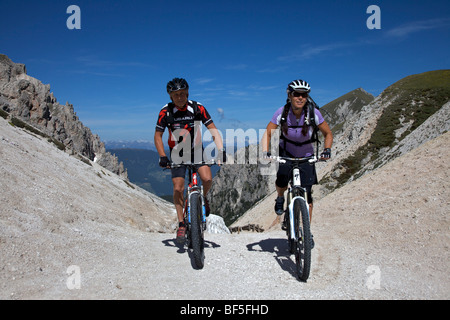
417 26
204 80
308 51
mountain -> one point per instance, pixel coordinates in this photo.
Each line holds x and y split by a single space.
239 185
130 144
71 229
62 219
368 132
339 110
28 102
44 187
143 170
370 135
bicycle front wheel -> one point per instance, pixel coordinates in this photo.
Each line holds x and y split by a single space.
287 221
196 232
303 248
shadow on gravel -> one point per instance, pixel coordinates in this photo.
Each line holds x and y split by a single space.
183 248
279 248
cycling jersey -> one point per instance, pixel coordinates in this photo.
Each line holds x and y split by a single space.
295 133
182 122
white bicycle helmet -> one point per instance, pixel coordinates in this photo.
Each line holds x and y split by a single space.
299 86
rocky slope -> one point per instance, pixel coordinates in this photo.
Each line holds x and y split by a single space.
29 100
338 111
369 138
394 219
368 132
435 126
239 185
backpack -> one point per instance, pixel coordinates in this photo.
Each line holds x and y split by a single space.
310 121
169 115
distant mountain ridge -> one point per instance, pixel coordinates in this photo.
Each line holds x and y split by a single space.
144 170
130 144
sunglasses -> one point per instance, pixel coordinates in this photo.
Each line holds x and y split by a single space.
300 94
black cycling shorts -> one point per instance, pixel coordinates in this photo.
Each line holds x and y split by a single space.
308 175
181 171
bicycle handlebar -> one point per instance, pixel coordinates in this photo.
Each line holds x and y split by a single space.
310 159
173 165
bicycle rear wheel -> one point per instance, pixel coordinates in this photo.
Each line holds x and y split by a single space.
303 247
196 232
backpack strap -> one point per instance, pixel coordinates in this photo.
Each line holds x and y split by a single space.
310 121
285 113
197 114
170 112
169 116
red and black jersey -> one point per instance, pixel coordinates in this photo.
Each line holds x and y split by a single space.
184 120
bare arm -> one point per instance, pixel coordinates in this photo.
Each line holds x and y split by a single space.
328 136
215 136
159 143
265 141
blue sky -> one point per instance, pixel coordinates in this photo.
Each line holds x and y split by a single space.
238 56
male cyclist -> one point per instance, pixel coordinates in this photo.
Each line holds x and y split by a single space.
183 118
296 139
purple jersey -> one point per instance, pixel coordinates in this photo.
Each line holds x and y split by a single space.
295 134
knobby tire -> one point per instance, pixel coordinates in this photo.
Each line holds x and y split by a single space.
303 249
196 230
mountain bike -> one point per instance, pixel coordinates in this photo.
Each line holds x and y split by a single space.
297 217
194 211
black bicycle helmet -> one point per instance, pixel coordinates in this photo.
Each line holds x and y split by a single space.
299 86
177 84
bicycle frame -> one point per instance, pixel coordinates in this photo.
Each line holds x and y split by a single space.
295 184
299 232
194 188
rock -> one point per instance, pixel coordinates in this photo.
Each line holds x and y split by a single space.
215 224
29 100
